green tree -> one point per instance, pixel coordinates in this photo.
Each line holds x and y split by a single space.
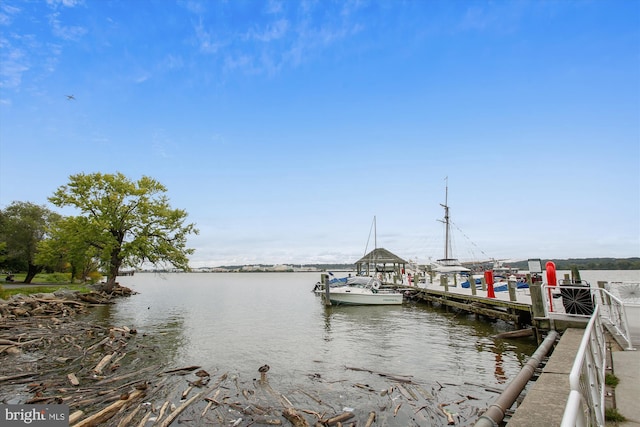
128 222
22 226
67 247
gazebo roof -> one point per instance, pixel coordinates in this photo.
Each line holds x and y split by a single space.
381 256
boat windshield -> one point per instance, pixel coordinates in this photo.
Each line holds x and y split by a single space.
363 281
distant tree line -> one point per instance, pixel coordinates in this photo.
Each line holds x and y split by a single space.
588 263
561 264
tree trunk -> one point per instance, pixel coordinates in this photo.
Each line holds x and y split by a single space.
114 269
31 272
74 272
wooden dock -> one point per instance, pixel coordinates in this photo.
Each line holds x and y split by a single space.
521 307
516 312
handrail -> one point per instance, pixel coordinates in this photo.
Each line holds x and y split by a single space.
587 377
586 403
611 307
575 403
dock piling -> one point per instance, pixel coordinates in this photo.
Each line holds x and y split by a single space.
325 281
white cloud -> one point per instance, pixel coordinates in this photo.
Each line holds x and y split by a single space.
206 42
65 3
14 64
65 32
273 31
7 13
173 62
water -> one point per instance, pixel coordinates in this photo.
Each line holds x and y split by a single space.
239 321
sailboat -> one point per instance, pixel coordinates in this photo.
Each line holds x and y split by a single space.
367 288
448 266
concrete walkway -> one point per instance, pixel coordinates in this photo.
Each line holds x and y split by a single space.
626 366
545 402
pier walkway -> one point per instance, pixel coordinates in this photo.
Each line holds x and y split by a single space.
546 401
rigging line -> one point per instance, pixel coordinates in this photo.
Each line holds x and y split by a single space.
369 238
470 241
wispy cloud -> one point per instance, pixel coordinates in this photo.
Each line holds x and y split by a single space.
173 62
282 34
65 3
14 63
7 12
25 51
159 143
272 31
501 17
207 41
66 32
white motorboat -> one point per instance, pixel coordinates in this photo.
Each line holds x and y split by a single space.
360 290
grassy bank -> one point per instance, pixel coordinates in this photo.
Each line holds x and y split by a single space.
42 283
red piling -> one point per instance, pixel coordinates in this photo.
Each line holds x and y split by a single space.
551 280
488 277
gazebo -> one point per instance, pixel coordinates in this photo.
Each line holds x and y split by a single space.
382 261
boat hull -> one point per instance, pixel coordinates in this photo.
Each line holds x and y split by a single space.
348 297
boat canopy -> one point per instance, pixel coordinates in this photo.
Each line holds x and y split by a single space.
380 260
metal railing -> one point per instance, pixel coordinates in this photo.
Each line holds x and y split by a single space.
579 300
586 403
585 406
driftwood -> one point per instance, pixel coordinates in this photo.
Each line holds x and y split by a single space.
450 420
527 332
371 419
74 417
294 417
73 379
180 409
109 411
101 365
338 418
398 378
82 359
182 370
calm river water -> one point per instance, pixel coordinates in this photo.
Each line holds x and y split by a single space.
241 321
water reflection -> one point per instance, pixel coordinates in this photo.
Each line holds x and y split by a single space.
239 322
160 340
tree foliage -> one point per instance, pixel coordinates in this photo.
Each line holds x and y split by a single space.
22 226
127 222
67 248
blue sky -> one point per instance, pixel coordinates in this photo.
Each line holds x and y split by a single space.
284 127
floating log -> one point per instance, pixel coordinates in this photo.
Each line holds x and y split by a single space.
527 332
73 379
294 418
172 416
101 365
75 416
371 419
338 418
126 421
450 420
182 370
109 411
14 377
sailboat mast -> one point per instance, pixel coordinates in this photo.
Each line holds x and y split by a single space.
375 234
447 237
